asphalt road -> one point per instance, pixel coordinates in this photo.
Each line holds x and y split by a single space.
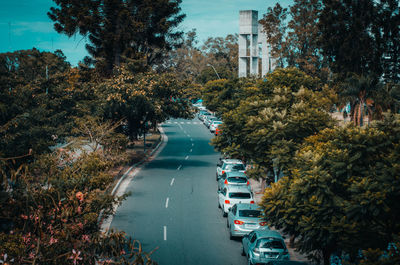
174 204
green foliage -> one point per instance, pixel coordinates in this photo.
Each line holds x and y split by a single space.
120 31
53 209
342 192
144 98
266 121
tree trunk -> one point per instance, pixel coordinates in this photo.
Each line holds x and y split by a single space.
326 254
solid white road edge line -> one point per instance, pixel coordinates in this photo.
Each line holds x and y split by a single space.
128 176
165 233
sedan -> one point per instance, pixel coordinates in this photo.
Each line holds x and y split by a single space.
229 196
262 246
244 218
214 125
233 178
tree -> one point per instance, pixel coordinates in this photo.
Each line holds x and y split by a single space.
266 121
348 37
342 191
120 31
187 61
52 209
274 24
143 98
389 24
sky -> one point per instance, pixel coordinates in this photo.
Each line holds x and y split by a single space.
24 24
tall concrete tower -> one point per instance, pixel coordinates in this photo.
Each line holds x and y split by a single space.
253 46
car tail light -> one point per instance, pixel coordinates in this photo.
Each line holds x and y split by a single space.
227 202
285 252
256 251
248 183
252 202
237 222
263 223
223 171
244 172
226 182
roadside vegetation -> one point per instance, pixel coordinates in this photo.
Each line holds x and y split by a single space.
336 195
338 187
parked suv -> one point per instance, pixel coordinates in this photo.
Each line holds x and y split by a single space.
229 196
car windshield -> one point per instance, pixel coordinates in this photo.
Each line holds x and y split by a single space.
217 122
249 213
238 180
234 167
239 195
268 243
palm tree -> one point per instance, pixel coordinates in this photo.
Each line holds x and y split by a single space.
362 92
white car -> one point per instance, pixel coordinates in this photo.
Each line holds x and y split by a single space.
228 165
214 125
231 195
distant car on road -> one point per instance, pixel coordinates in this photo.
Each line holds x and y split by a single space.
262 246
214 125
244 218
202 114
229 196
209 119
228 165
233 178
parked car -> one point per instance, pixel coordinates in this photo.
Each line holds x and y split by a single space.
209 119
233 178
214 125
202 114
228 165
263 246
244 218
229 196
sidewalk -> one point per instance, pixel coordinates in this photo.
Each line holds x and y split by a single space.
258 194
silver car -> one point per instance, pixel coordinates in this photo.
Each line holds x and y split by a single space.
233 178
228 165
244 218
229 196
263 246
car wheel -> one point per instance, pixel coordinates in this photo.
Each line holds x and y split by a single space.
216 176
224 214
231 237
243 253
219 206
227 223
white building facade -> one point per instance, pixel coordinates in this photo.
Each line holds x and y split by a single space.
254 52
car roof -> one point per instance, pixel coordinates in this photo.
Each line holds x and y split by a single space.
247 206
232 161
235 174
237 189
265 233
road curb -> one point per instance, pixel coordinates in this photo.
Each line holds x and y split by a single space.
128 176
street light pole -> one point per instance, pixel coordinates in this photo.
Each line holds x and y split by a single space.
214 70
